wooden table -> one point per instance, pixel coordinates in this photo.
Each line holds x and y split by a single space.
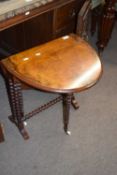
63 66
21 28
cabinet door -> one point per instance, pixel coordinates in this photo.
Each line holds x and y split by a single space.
38 30
12 40
65 17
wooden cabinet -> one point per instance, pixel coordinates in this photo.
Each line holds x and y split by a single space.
65 18
27 34
38 30
12 40
56 21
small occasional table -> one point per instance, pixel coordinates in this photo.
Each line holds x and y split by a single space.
64 66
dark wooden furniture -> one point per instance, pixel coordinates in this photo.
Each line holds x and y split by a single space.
106 25
1 133
42 24
103 18
82 26
63 66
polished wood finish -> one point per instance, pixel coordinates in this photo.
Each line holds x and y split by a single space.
102 19
62 60
65 65
65 17
106 25
66 111
41 25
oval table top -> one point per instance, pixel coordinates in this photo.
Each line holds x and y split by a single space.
66 64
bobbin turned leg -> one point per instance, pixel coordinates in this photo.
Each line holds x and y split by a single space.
66 111
16 102
74 102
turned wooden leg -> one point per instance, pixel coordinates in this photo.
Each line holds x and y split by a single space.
105 33
16 103
66 111
74 102
106 25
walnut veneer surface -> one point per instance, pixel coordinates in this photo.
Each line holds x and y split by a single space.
67 64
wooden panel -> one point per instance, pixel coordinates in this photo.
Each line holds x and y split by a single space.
65 17
70 28
26 35
38 30
57 21
67 13
12 39
82 23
